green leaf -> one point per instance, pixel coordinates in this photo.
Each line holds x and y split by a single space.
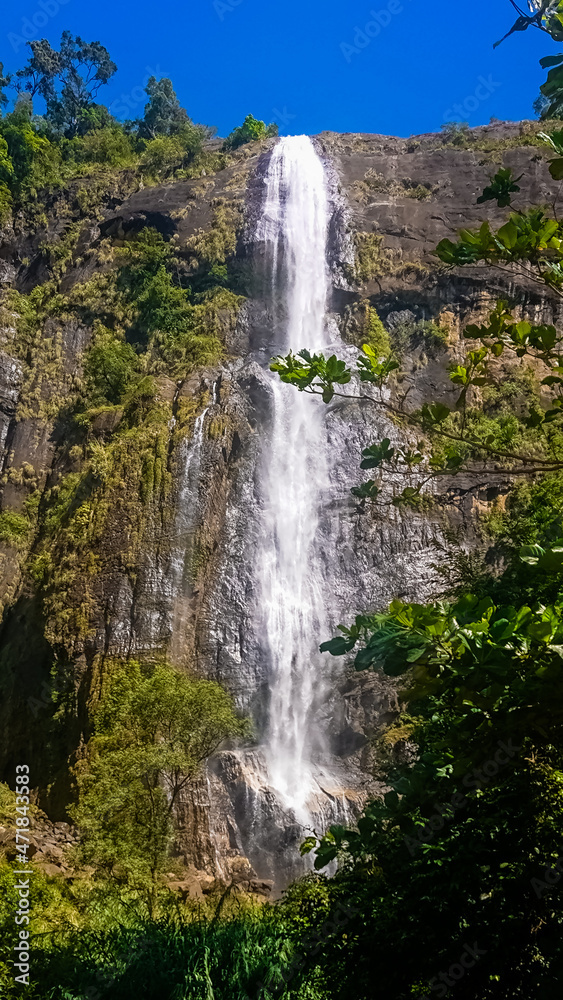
367 491
376 454
308 845
556 169
435 413
501 187
548 61
338 646
508 235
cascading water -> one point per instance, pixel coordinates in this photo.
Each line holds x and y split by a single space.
290 575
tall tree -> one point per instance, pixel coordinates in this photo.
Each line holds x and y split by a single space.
153 729
68 80
164 115
5 81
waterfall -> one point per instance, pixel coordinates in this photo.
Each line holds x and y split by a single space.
295 475
188 511
281 577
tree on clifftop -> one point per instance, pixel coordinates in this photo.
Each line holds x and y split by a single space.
68 80
164 115
250 130
4 82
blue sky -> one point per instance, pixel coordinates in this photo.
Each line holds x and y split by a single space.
398 67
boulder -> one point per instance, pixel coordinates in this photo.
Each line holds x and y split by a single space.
187 888
47 867
9 846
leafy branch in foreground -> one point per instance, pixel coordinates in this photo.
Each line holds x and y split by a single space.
459 438
458 845
452 444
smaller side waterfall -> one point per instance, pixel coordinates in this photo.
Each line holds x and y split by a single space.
190 456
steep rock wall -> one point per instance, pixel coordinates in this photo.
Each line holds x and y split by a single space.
174 568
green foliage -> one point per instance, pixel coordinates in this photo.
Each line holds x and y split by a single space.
168 153
14 527
370 260
464 432
248 954
409 335
111 369
108 145
79 136
527 236
68 79
5 203
251 130
533 514
303 369
455 133
501 188
552 89
164 116
152 730
29 160
377 336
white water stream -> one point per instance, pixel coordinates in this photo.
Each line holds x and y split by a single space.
290 574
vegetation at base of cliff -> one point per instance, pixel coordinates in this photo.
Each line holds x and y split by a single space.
186 953
153 728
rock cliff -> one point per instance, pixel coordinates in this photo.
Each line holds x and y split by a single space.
127 528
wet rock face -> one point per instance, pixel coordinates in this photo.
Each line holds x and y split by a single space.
11 373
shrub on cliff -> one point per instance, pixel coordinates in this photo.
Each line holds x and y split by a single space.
250 130
109 146
111 368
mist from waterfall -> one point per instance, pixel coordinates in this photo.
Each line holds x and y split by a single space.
294 228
